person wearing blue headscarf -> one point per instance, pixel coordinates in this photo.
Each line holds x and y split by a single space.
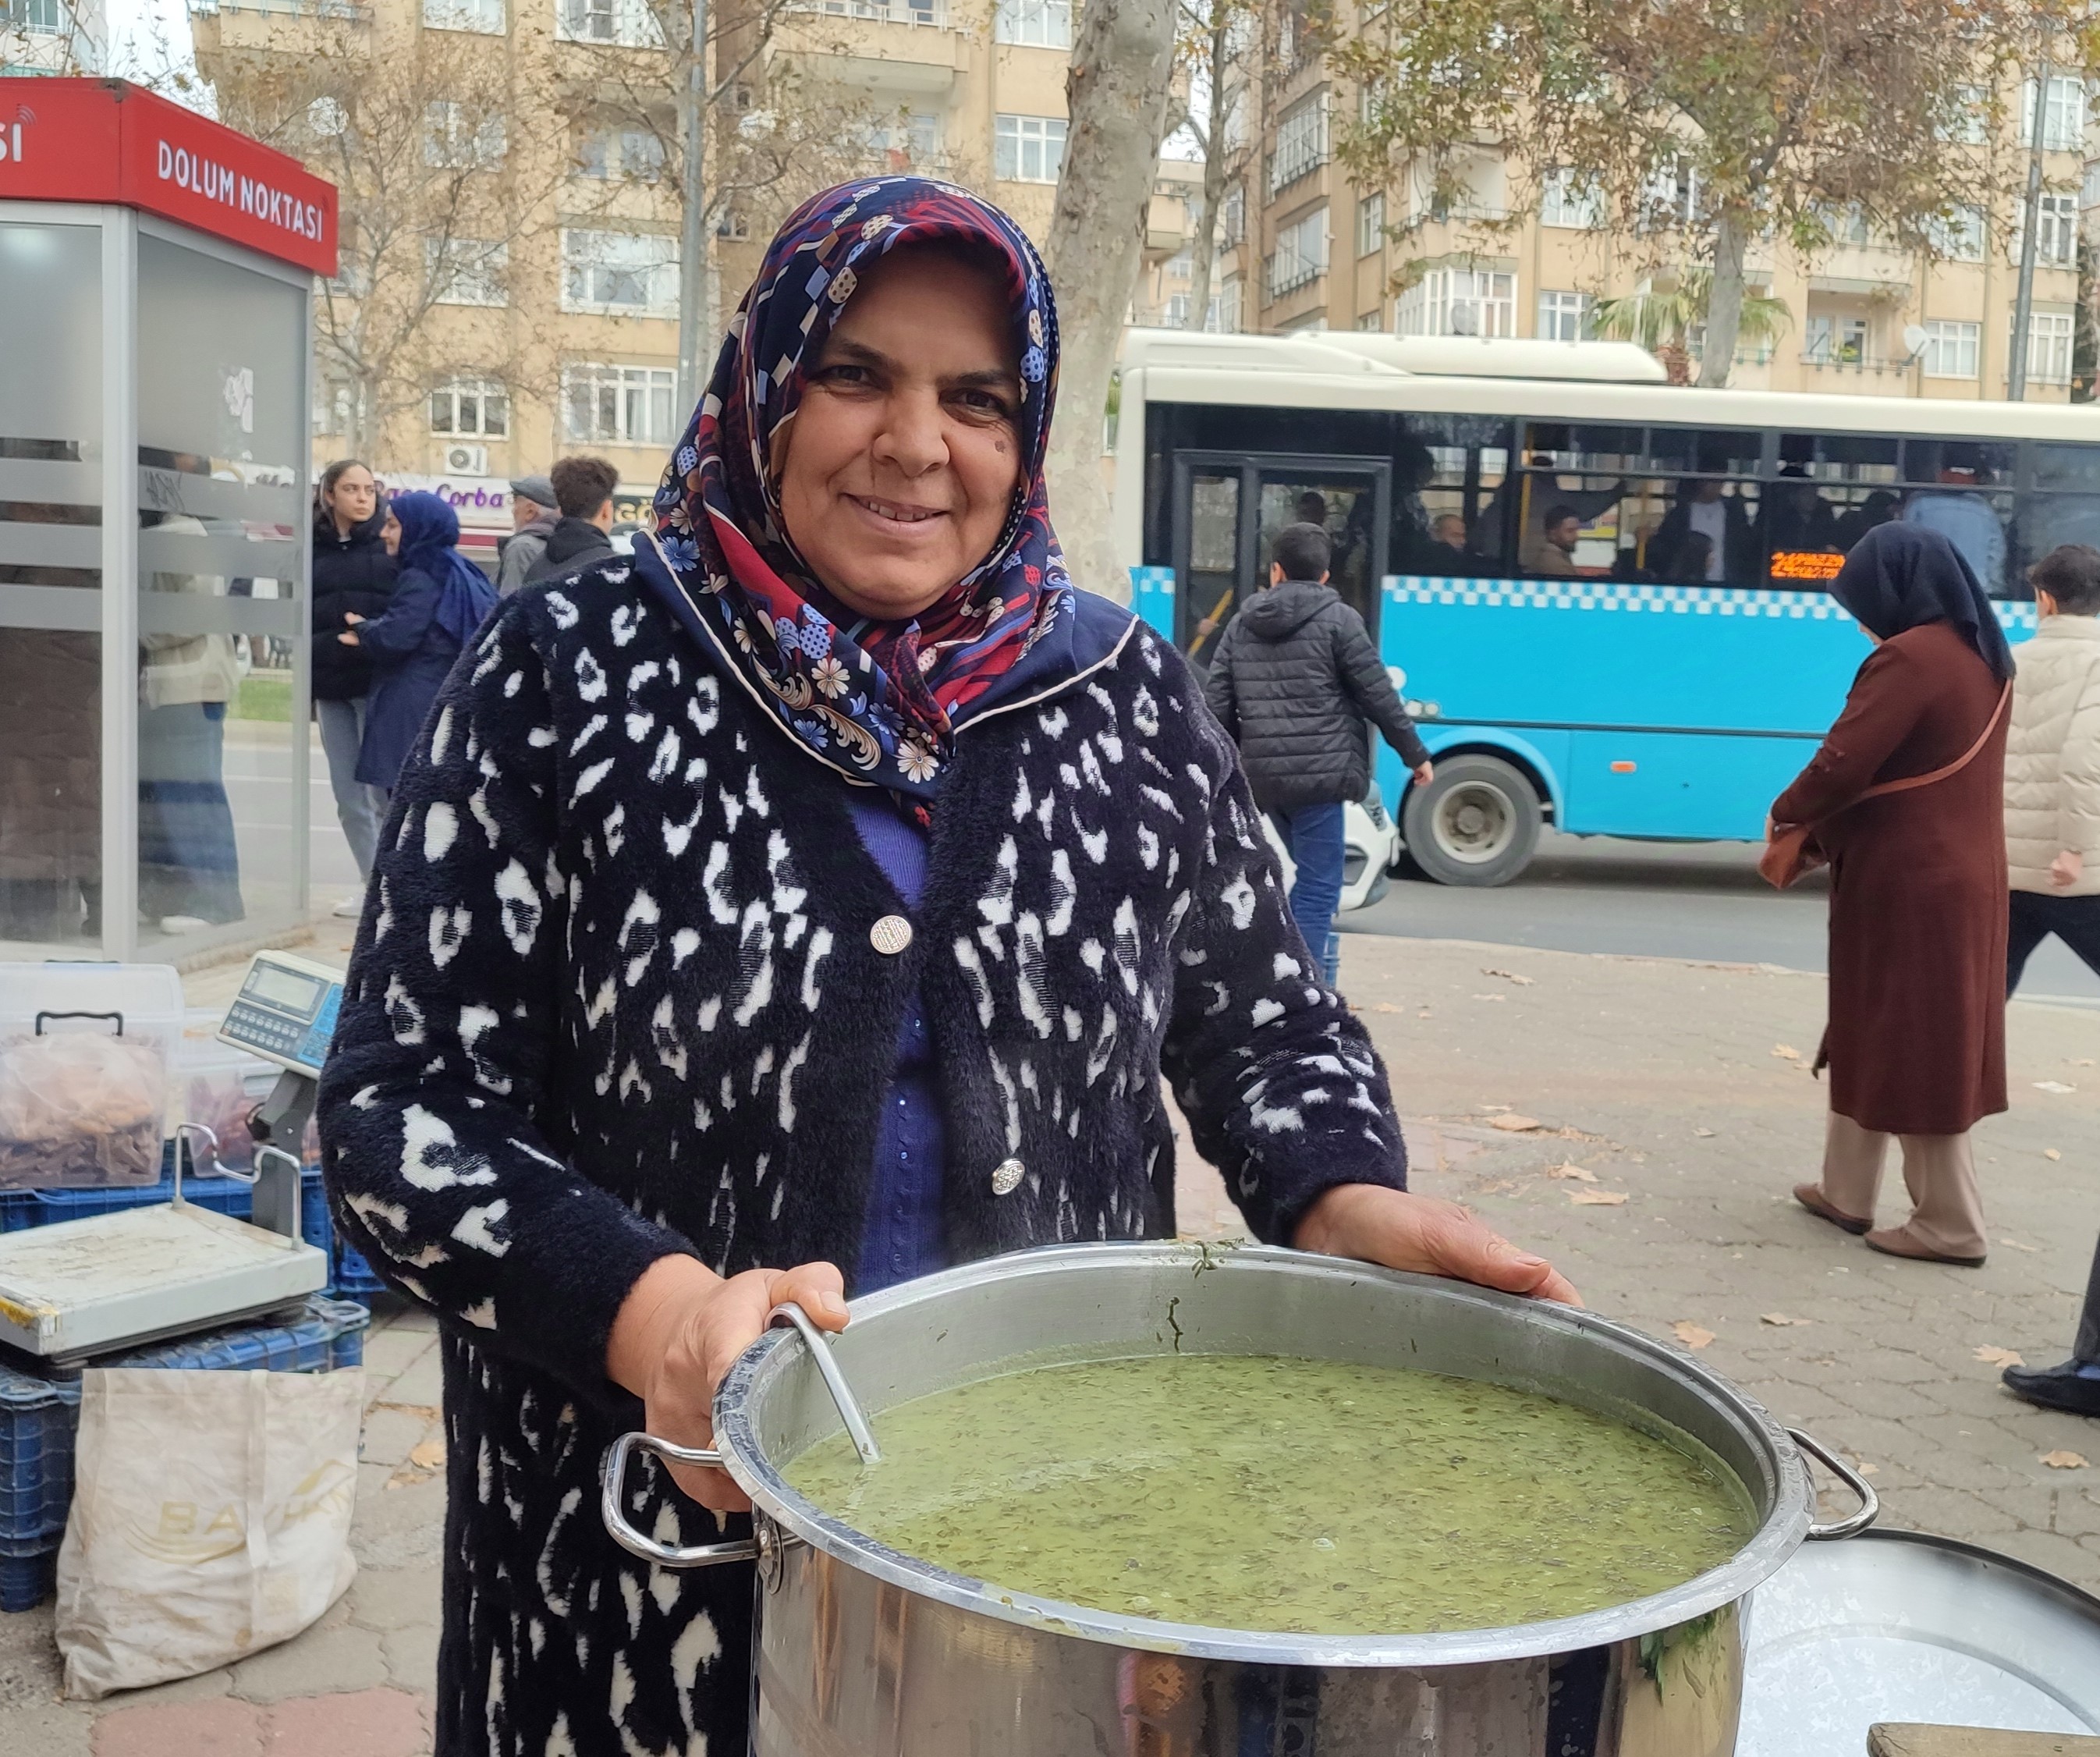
439 599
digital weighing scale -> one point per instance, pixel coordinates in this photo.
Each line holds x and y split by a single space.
85 1287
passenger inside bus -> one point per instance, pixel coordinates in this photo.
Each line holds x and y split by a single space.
1797 516
1448 530
1966 518
1704 508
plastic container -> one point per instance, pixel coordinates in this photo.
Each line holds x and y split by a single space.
87 1054
218 1085
38 1414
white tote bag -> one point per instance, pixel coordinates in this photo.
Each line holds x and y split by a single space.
210 1519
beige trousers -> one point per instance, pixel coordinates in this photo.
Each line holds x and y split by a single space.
1939 1171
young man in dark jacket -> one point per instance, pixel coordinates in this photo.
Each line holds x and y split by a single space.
583 490
1295 679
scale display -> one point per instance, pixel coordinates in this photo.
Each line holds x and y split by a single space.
285 1011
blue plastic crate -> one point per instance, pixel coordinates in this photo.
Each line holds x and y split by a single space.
27 1581
38 1412
352 1278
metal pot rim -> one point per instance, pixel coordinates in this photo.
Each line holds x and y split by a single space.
1779 1533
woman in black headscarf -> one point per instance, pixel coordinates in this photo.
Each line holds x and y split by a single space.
1906 798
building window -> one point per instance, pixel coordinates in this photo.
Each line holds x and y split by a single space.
2056 237
470 408
326 119
1370 225
2090 192
618 405
1959 237
1181 266
1459 302
1035 24
1373 321
1564 316
456 137
1835 341
1301 143
335 402
625 24
731 225
1231 221
1671 198
1568 202
622 274
467 270
2063 126
909 138
485 17
1228 306
32 18
1967 116
1301 253
1029 148
2049 348
1950 349
631 155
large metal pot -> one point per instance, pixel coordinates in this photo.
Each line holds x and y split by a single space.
866 1652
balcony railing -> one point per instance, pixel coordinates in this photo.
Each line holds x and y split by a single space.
336 12
1852 360
1288 274
931 13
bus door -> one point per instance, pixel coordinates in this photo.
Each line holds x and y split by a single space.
1227 509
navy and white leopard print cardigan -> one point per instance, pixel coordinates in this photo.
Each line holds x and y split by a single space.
614 996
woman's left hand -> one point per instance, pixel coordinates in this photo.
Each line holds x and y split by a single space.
1399 1230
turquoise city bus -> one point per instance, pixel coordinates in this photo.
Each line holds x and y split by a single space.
1602 596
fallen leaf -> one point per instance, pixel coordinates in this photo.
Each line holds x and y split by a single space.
1991 1357
1491 997
1866 1469
1508 976
1597 1198
1691 1335
1703 1134
429 1455
1491 1108
2050 1152
2052 1085
2062 1460
1497 1187
2084 1060
1786 1052
1582 1172
1780 1318
1510 1123
2013 1244
1385 1006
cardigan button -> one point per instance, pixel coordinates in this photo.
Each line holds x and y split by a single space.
890 935
1006 1176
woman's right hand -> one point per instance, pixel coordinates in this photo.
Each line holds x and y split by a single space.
679 1332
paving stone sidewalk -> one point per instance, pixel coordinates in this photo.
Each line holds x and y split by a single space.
1667 1081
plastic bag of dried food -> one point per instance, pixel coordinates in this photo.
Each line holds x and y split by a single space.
81 1108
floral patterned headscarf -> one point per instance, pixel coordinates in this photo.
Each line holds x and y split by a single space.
880 699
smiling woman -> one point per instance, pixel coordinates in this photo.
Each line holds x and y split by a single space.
816 900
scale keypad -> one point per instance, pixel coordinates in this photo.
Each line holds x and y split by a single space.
270 1032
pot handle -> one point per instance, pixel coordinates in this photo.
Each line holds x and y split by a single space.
612 1473
1870 1503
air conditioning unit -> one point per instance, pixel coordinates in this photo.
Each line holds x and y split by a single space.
466 460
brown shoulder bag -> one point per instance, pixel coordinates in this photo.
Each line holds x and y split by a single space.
1791 854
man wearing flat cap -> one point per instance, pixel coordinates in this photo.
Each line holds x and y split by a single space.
533 517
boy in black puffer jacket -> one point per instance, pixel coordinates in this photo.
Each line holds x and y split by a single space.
1294 681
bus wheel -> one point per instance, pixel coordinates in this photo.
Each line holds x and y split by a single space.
1476 823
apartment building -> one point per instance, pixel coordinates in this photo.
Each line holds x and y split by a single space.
552 321
41 38
1309 249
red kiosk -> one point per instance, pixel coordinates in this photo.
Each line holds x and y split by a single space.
155 278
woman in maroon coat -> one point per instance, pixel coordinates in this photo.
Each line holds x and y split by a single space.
1916 1044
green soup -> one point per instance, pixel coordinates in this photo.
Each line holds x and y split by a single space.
1311 1497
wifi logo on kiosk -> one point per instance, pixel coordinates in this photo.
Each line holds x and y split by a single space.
10 135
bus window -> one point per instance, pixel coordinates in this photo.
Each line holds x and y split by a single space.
1833 488
1629 514
1706 451
1343 504
2065 505
1446 515
1956 487
1699 531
